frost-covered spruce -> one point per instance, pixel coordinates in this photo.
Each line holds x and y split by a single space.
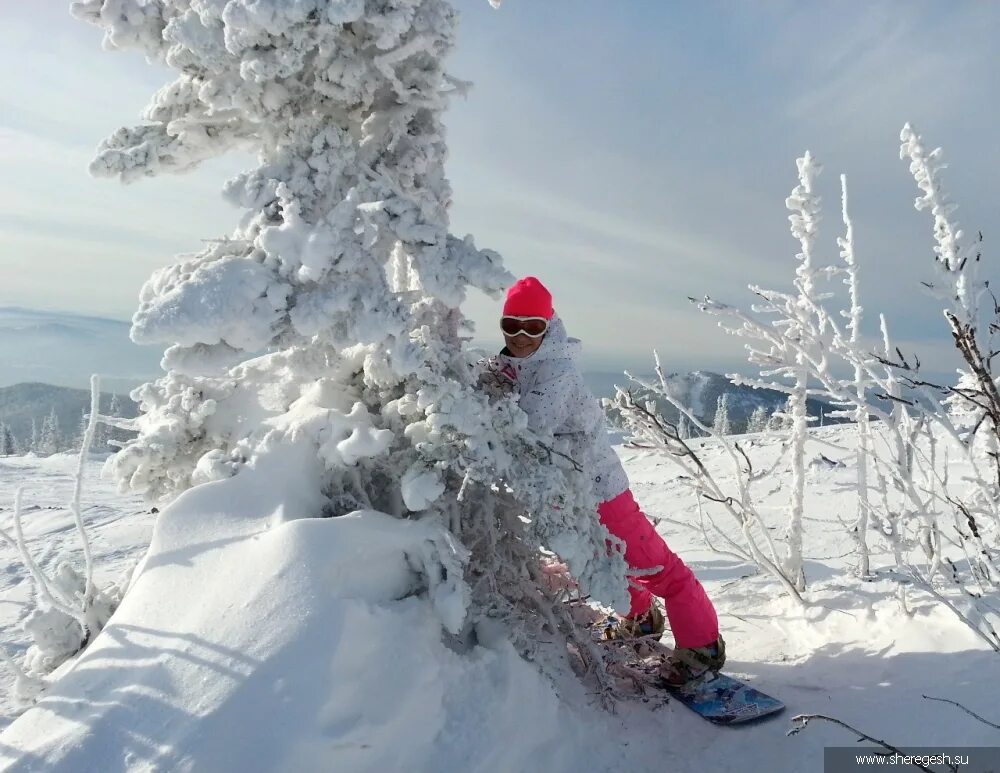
51 440
8 443
332 310
721 424
758 420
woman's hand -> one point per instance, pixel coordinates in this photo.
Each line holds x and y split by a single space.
497 378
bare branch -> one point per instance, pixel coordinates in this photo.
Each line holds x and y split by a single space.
804 719
963 708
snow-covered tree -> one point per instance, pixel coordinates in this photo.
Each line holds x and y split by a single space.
50 438
758 419
861 382
35 440
344 272
804 204
942 532
787 346
721 424
343 264
683 427
8 444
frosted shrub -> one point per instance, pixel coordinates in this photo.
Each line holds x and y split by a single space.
943 533
751 541
787 339
69 609
56 635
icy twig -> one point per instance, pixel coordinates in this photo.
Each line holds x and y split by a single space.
963 708
804 719
88 439
37 575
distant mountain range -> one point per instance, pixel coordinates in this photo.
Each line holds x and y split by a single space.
21 403
700 390
50 356
65 349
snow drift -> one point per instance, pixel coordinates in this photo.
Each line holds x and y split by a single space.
312 652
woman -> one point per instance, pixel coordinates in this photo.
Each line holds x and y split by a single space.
539 361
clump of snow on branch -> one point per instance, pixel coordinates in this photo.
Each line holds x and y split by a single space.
957 265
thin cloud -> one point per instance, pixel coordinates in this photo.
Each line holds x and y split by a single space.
23 149
630 158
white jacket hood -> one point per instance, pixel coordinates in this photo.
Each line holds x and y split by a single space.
557 345
551 390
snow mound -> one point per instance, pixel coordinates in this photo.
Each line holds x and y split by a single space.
319 648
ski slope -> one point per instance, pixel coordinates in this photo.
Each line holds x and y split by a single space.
310 652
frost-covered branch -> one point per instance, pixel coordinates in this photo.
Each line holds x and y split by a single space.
804 219
646 423
957 266
42 583
860 413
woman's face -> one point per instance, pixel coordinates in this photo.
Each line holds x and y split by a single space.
521 345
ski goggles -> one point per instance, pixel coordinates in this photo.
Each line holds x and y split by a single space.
533 327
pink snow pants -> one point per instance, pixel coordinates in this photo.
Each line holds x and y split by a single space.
692 617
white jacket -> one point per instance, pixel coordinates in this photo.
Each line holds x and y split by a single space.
551 390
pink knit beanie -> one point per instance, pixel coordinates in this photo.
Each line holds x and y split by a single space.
528 298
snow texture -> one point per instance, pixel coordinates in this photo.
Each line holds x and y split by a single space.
276 672
317 644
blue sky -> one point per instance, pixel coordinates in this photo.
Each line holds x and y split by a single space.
630 154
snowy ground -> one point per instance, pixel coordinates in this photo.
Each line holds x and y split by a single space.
120 527
853 654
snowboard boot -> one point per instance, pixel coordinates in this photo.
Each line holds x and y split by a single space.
648 625
690 663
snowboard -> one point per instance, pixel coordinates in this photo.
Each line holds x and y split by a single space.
717 697
724 700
